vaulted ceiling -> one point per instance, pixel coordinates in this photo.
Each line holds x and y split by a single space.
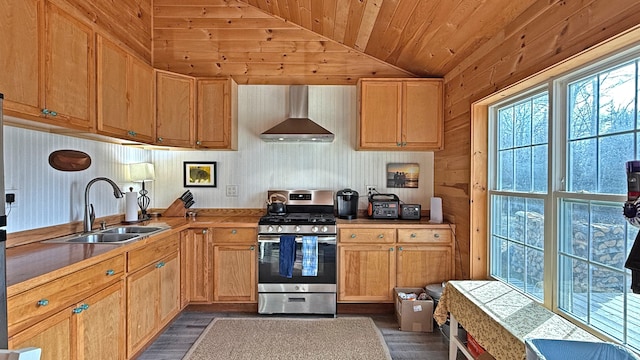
326 41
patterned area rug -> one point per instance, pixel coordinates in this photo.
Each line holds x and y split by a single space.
285 338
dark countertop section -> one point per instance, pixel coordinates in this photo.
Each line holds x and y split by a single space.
36 263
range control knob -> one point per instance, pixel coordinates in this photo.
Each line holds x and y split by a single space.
279 228
314 229
297 228
325 229
270 228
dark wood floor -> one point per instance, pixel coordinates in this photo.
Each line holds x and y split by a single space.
176 340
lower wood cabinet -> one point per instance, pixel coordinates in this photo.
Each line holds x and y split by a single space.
153 290
91 329
235 265
366 273
375 260
196 251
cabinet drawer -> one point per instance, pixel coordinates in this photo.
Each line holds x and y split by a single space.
385 236
234 235
424 236
153 252
30 306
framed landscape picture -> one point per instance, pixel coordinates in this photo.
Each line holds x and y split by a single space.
199 174
403 175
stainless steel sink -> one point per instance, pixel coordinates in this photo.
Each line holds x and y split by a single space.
132 230
102 238
113 236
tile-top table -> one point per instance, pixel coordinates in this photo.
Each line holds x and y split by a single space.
499 318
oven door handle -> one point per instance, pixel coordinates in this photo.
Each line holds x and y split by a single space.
324 239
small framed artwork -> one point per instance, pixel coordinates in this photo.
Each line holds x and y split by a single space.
403 175
199 174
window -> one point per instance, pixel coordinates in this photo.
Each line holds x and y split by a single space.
556 193
518 199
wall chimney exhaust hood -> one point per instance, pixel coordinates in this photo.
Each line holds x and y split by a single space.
298 127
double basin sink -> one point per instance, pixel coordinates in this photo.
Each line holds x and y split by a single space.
115 236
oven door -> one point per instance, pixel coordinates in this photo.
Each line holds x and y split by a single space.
270 280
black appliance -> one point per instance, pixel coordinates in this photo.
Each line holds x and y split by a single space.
410 211
347 204
309 215
383 206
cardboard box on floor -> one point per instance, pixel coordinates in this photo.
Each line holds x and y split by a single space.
413 315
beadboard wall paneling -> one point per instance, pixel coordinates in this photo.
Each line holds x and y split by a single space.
258 166
46 196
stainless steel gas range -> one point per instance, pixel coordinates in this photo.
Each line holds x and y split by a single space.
297 255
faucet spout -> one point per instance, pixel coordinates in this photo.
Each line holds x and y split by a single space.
89 214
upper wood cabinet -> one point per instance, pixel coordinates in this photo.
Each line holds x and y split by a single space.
125 94
400 114
47 64
175 125
217 120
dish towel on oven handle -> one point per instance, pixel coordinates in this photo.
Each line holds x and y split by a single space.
287 255
309 256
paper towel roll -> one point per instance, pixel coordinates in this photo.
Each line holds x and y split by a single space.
435 215
131 207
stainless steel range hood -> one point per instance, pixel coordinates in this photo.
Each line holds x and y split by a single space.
298 127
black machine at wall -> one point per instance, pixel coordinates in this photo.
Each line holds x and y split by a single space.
347 204
632 215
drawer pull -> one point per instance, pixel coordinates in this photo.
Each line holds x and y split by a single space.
436 235
205 231
381 236
77 310
160 264
234 231
391 249
43 302
110 272
413 235
84 306
353 236
252 248
400 248
131 133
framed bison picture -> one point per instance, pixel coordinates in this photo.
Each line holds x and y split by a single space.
199 174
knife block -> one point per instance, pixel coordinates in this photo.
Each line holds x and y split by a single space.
176 209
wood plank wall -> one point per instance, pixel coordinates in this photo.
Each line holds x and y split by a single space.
548 33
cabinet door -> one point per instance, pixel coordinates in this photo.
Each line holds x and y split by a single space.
124 95
69 70
215 126
169 277
100 327
20 58
143 292
419 265
234 273
422 109
366 273
140 92
112 117
379 123
175 124
53 335
197 253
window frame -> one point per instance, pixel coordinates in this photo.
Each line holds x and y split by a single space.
556 87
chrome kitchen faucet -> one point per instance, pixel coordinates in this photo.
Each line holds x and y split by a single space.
89 214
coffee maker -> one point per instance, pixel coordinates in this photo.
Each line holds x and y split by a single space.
347 204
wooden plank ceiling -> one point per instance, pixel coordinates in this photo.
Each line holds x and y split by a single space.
323 41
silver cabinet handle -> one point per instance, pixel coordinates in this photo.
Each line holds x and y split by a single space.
234 231
381 236
353 236
436 235
205 231
413 235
